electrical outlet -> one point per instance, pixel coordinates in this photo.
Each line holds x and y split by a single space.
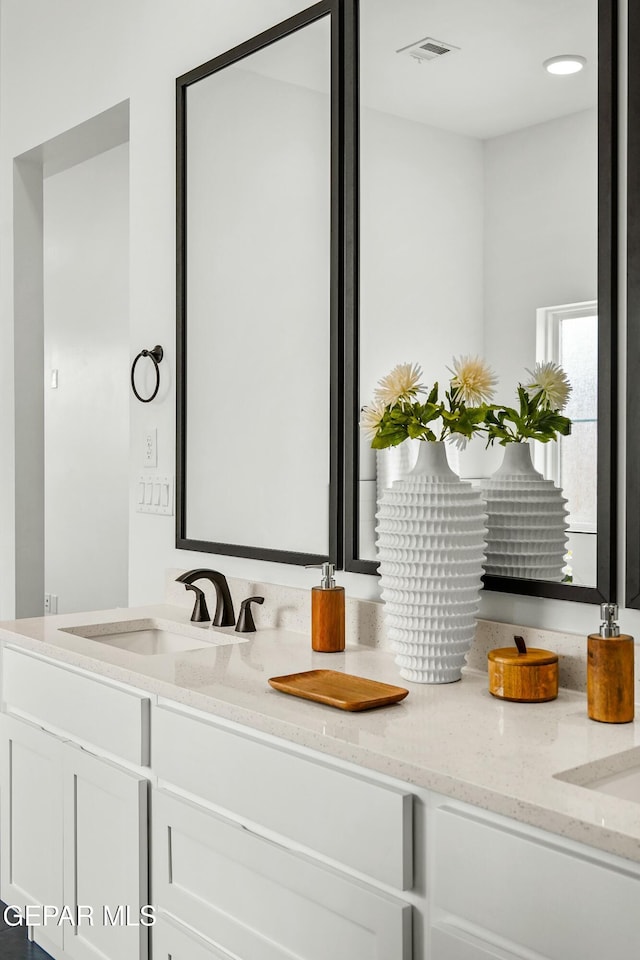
150 454
50 603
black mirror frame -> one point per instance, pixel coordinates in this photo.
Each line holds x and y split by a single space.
606 585
336 472
632 547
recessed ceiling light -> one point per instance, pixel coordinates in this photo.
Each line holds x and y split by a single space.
565 64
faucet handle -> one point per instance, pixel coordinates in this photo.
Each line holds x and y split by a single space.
200 611
245 622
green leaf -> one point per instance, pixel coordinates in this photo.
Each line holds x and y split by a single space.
388 438
533 421
433 396
415 429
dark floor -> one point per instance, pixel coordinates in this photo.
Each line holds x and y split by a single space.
14 944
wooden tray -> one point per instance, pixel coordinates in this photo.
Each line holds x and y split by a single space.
341 690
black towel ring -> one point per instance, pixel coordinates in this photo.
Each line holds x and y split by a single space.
156 355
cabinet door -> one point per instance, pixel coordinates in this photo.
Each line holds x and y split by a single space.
111 718
105 857
256 899
174 942
350 818
457 945
31 818
529 891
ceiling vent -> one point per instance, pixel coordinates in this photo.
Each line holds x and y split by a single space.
428 49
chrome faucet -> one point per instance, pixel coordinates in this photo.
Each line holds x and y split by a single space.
224 615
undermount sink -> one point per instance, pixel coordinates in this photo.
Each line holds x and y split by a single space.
152 637
618 775
625 785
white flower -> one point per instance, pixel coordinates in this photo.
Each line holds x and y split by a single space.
371 418
459 441
403 383
473 379
554 383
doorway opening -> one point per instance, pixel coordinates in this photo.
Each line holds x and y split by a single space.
71 216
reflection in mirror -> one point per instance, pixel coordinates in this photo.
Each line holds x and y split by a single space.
256 328
568 335
478 225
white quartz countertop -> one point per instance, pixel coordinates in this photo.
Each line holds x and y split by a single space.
454 738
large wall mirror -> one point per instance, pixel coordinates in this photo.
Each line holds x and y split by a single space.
483 224
632 591
259 329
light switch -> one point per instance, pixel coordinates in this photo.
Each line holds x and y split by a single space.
155 494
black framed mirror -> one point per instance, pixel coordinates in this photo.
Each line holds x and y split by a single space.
482 220
259 314
632 546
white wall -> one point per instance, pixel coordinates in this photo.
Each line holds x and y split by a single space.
62 63
86 340
24 520
421 216
541 229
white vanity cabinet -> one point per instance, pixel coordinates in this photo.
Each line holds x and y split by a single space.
74 823
501 890
255 847
261 849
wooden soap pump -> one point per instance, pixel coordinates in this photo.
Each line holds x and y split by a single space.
610 675
327 612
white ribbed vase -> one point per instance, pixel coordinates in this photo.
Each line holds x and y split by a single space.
526 518
393 463
431 534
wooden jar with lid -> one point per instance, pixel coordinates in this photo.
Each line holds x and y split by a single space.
521 674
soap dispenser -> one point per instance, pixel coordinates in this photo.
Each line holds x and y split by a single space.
327 612
610 673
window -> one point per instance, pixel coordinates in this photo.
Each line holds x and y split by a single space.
568 335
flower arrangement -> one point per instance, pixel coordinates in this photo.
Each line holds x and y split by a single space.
398 412
539 416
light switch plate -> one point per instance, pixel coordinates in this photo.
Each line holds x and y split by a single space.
154 494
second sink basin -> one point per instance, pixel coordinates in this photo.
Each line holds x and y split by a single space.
617 775
625 785
152 637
